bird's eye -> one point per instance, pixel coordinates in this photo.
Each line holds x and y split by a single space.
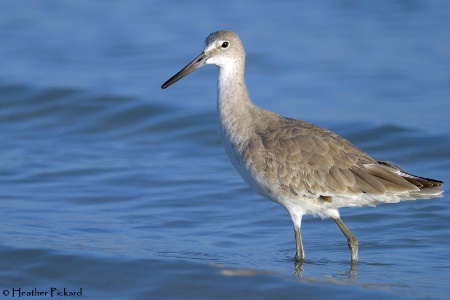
225 45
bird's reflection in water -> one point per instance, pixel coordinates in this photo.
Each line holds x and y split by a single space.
299 267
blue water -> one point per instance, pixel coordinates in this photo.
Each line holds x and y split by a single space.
114 186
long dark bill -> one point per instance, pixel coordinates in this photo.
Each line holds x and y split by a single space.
198 62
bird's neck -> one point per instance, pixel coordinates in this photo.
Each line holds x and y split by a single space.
234 107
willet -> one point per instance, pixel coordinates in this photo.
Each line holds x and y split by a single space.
305 168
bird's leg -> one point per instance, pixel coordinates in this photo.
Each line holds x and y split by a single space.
352 240
300 255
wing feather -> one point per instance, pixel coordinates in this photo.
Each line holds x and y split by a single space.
305 158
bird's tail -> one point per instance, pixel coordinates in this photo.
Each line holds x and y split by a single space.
428 188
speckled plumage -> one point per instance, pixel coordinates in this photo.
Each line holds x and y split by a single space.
305 168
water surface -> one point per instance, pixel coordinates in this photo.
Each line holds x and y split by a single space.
112 185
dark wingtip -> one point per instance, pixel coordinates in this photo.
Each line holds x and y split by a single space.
422 182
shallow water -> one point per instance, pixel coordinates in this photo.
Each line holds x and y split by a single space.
112 185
